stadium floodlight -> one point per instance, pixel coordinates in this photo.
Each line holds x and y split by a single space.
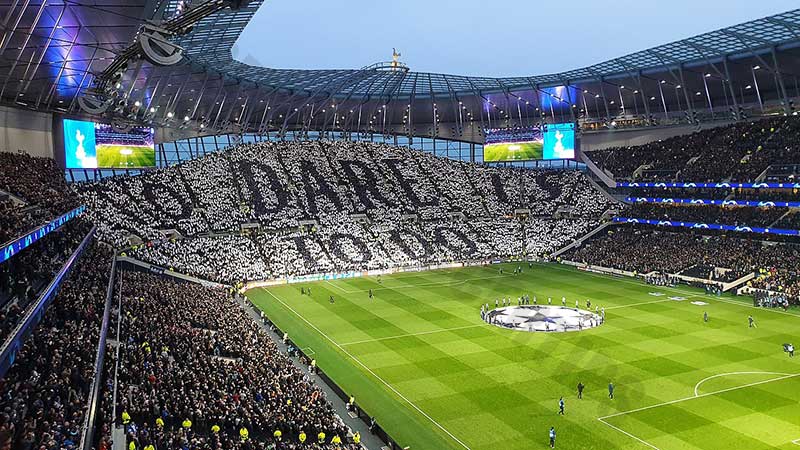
137 103
756 67
748 86
186 118
152 109
169 115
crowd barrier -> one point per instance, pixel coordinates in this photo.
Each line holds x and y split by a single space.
690 185
700 201
15 341
94 391
15 246
708 226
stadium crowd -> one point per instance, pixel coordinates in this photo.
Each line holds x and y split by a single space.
283 185
738 152
644 250
337 206
44 394
196 372
41 194
41 186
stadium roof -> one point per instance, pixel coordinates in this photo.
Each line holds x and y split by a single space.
55 52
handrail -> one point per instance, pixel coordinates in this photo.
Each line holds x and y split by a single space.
94 391
15 246
14 342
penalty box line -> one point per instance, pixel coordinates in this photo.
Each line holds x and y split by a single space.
358 361
680 400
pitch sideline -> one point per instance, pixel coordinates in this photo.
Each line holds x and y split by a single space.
350 355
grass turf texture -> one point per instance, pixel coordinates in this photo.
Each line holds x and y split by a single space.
112 156
419 358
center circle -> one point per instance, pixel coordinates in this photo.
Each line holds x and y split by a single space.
543 318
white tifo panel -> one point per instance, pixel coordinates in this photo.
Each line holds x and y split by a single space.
26 131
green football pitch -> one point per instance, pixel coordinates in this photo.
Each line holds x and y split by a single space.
125 156
419 358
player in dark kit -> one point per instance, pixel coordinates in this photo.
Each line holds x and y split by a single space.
580 389
370 294
611 390
552 437
561 406
331 299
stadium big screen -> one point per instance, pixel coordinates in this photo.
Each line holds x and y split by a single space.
555 141
90 145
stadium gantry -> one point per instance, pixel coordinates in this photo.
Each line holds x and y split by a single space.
170 64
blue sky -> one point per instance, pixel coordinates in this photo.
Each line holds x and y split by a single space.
474 37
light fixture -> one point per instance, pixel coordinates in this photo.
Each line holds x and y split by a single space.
137 103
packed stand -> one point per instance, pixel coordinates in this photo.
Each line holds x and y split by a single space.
644 250
40 184
738 152
44 394
27 273
196 372
283 185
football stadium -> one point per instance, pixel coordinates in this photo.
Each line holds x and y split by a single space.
249 225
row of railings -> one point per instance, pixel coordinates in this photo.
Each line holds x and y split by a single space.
13 344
